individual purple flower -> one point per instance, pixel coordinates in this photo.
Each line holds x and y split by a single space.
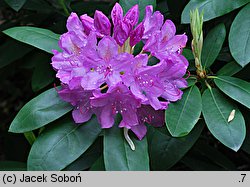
171 78
164 43
152 22
118 99
80 99
146 114
69 62
75 25
145 83
105 64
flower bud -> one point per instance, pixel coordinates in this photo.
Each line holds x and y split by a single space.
136 35
117 14
102 23
132 16
88 23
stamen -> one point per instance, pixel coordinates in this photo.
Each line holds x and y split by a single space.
189 74
127 138
104 87
55 87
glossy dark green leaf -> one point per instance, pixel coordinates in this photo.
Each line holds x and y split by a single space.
118 155
216 110
239 37
40 111
212 8
87 159
225 55
15 4
98 165
61 144
12 166
181 116
188 54
40 38
229 69
166 151
127 4
213 44
8 47
43 74
235 88
191 81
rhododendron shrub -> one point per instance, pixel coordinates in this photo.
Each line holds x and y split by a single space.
127 85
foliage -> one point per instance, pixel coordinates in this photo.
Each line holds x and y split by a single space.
210 120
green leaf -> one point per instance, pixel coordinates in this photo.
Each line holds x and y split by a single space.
61 144
235 88
15 4
98 165
213 44
87 159
181 116
216 110
8 47
118 155
212 8
127 4
229 69
188 54
12 166
43 74
166 151
40 111
40 38
191 81
239 37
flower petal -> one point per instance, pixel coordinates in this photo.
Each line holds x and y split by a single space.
107 117
140 131
81 115
107 48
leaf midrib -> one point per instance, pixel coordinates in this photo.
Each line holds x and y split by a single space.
182 111
220 78
47 153
217 106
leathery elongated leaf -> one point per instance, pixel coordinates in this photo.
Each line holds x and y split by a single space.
216 110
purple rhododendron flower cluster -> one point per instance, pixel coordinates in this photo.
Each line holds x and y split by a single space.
100 74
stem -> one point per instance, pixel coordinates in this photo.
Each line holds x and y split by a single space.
30 136
209 87
212 77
